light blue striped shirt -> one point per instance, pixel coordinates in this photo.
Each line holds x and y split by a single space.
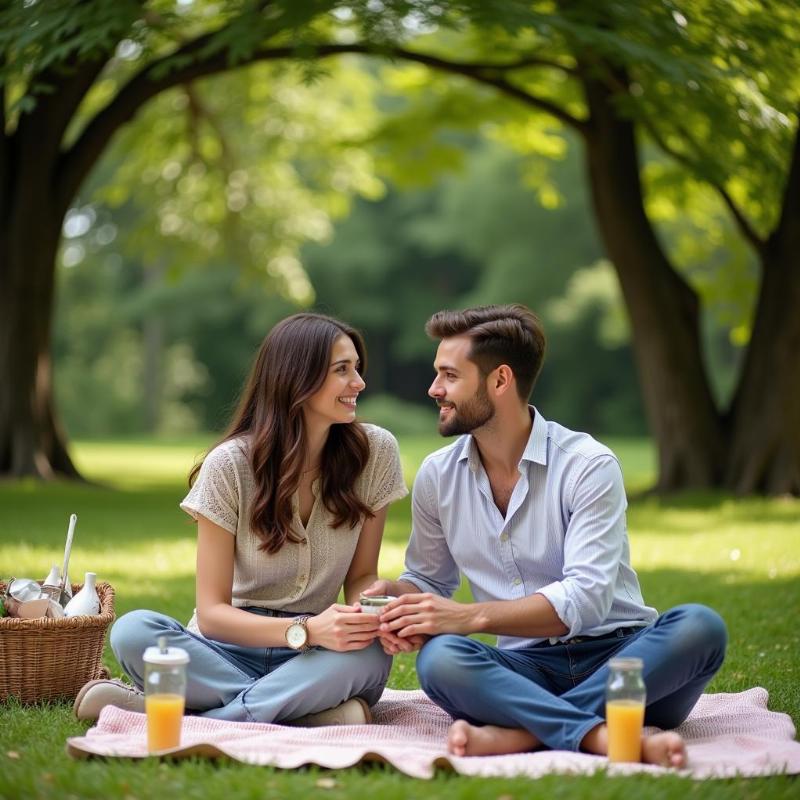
564 534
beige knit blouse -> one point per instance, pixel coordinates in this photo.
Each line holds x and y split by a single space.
303 576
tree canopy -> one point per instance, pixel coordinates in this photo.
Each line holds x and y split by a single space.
712 87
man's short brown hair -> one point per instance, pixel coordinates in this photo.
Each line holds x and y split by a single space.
501 334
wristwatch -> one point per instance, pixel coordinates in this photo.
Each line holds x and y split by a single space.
297 634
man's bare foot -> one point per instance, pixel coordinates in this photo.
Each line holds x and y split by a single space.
666 749
464 739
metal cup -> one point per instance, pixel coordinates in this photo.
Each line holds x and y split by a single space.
24 589
374 604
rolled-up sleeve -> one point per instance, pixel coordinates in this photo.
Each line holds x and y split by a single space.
429 563
593 545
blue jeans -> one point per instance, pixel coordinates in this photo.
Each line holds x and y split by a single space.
253 684
558 692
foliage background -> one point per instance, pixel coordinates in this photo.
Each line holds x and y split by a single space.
160 332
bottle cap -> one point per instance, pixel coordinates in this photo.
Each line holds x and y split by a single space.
626 663
170 656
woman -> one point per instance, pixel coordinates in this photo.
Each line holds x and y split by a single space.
290 507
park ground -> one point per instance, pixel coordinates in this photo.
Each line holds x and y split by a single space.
740 556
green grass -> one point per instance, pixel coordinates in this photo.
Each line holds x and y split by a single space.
739 556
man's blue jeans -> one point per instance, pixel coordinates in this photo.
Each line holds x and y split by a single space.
558 692
253 684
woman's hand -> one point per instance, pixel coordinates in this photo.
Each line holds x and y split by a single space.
342 628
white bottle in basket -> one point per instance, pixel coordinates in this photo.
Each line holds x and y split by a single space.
86 600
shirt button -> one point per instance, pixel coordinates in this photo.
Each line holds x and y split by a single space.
517 581
503 537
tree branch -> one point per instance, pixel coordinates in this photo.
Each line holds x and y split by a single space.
76 163
487 74
742 223
523 63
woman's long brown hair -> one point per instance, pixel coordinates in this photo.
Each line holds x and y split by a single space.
291 366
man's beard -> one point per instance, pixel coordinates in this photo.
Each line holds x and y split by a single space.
472 414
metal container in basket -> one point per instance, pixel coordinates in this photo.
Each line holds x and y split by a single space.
51 659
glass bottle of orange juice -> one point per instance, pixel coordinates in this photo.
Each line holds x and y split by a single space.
164 694
625 702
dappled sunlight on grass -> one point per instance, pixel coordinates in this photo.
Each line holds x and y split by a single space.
139 464
136 561
743 538
730 550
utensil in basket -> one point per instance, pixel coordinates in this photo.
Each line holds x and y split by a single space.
66 589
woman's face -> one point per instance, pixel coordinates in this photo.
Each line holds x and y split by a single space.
335 401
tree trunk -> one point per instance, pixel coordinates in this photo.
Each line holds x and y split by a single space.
663 309
31 440
765 412
32 210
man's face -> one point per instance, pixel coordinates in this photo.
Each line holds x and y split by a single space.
458 389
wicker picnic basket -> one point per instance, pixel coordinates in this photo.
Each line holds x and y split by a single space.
50 659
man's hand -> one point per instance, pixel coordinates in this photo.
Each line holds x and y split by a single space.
379 587
412 615
392 644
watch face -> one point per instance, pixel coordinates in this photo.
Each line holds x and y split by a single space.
296 635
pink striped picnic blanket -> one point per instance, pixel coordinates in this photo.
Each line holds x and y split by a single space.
727 735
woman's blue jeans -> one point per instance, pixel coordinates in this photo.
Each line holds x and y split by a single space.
558 692
253 684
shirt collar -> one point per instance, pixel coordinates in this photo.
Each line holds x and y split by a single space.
469 452
535 449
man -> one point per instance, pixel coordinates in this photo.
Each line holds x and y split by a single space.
533 515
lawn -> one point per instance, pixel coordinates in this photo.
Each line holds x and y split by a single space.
739 556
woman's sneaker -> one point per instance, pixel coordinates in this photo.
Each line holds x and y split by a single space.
354 711
96 695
